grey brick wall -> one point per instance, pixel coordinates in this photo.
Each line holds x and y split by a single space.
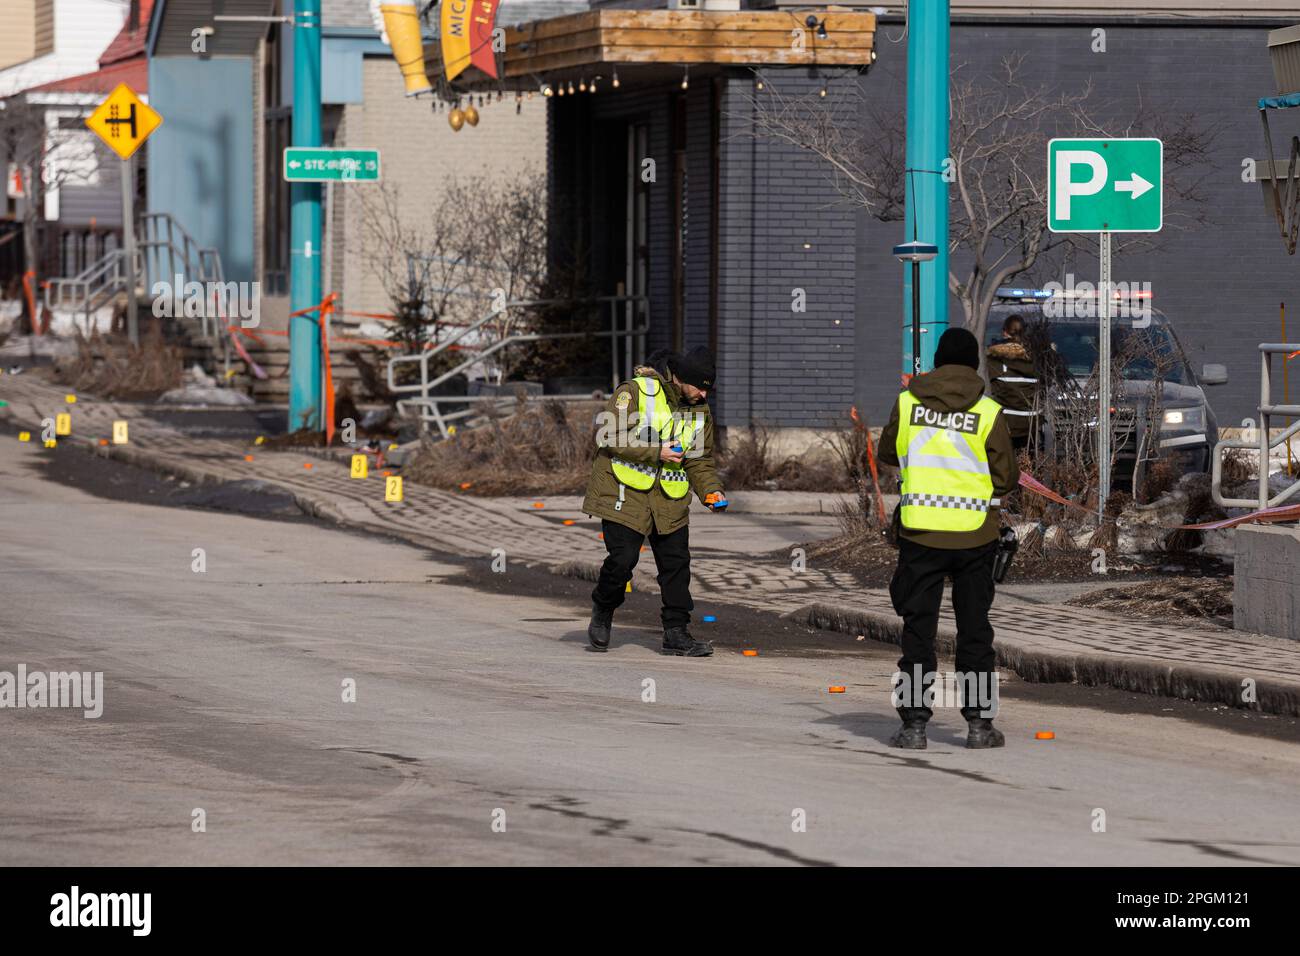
777 366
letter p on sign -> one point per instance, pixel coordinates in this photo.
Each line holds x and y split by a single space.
1066 160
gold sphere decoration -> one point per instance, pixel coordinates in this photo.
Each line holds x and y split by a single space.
471 115
456 118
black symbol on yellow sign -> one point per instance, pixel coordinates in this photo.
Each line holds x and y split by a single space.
123 121
114 120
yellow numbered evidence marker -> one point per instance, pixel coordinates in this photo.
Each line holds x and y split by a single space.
70 399
51 443
24 436
63 424
119 433
359 466
393 488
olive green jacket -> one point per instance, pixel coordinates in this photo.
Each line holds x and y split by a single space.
645 511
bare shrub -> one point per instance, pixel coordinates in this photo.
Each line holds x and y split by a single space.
116 369
745 463
542 447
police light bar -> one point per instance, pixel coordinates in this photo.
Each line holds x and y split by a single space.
1009 293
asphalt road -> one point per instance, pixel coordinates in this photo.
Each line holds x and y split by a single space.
223 691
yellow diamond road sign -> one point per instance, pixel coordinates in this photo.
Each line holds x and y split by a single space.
123 121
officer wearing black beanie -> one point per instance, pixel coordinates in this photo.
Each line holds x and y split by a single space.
654 448
955 461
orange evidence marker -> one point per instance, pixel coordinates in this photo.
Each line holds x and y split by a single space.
388 474
600 535
568 521
538 504
836 688
1045 735
466 485
749 653
103 441
248 458
306 464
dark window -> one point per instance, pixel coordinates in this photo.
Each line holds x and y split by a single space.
275 199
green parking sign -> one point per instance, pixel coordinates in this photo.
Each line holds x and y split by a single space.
1105 185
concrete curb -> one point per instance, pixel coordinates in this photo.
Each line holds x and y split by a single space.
1141 675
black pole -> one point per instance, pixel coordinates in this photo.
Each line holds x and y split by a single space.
916 317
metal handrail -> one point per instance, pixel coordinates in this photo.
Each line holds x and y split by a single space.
162 241
1262 444
430 403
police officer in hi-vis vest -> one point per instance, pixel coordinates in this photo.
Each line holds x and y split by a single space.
955 461
654 446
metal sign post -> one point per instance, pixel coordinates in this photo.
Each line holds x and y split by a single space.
128 248
124 121
1103 371
1122 190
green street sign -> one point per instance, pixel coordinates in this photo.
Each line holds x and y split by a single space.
319 164
1105 185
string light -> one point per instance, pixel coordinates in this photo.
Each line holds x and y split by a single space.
570 87
686 77
615 83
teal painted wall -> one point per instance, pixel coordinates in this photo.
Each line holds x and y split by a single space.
201 162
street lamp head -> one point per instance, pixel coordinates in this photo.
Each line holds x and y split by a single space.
915 251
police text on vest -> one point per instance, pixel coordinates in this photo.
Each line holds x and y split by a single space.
968 422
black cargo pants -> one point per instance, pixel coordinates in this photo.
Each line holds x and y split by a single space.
917 593
672 557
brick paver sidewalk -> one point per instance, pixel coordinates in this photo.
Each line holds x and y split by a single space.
1040 642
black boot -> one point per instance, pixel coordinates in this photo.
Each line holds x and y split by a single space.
982 734
598 629
678 640
911 736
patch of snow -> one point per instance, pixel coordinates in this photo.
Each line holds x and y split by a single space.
192 394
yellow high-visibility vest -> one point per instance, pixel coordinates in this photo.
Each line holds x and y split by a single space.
944 464
658 425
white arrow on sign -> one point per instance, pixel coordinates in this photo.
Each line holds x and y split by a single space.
294 164
1135 186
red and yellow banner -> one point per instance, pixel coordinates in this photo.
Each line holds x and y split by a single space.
467 27
482 22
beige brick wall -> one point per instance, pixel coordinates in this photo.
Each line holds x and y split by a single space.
419 151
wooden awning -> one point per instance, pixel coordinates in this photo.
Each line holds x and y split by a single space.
605 38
